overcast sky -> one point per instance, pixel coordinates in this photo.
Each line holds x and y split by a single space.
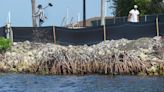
21 11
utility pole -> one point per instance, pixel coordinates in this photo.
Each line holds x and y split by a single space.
103 17
84 13
33 3
102 12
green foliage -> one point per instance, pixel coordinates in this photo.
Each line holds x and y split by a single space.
122 7
5 44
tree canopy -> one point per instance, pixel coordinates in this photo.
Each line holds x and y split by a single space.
122 7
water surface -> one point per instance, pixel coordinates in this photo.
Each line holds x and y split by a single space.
90 83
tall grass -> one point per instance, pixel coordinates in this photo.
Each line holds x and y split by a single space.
5 44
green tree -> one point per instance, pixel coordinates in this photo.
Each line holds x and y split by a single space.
122 7
155 7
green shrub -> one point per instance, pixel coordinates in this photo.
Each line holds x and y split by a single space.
5 44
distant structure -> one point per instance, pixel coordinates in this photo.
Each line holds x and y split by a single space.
89 23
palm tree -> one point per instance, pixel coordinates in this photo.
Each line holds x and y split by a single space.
33 12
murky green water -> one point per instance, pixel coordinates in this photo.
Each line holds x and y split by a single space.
91 83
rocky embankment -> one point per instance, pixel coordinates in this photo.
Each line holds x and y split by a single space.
144 56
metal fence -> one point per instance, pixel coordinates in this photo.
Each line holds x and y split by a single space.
122 20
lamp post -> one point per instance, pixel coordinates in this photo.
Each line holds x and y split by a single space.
84 13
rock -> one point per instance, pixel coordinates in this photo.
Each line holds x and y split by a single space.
146 51
157 38
8 53
153 69
27 42
29 53
70 46
24 55
143 57
108 52
153 63
155 59
101 53
14 43
13 54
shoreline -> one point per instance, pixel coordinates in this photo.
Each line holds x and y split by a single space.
144 56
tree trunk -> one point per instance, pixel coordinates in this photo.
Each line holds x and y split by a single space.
33 12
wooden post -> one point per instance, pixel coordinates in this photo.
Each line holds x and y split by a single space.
104 27
84 13
33 12
102 12
157 26
114 20
103 17
145 18
54 34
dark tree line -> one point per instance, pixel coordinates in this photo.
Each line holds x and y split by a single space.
122 7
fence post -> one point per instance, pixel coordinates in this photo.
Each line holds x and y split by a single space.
54 33
104 28
114 20
157 26
97 22
145 18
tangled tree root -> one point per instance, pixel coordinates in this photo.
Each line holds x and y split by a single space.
114 65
